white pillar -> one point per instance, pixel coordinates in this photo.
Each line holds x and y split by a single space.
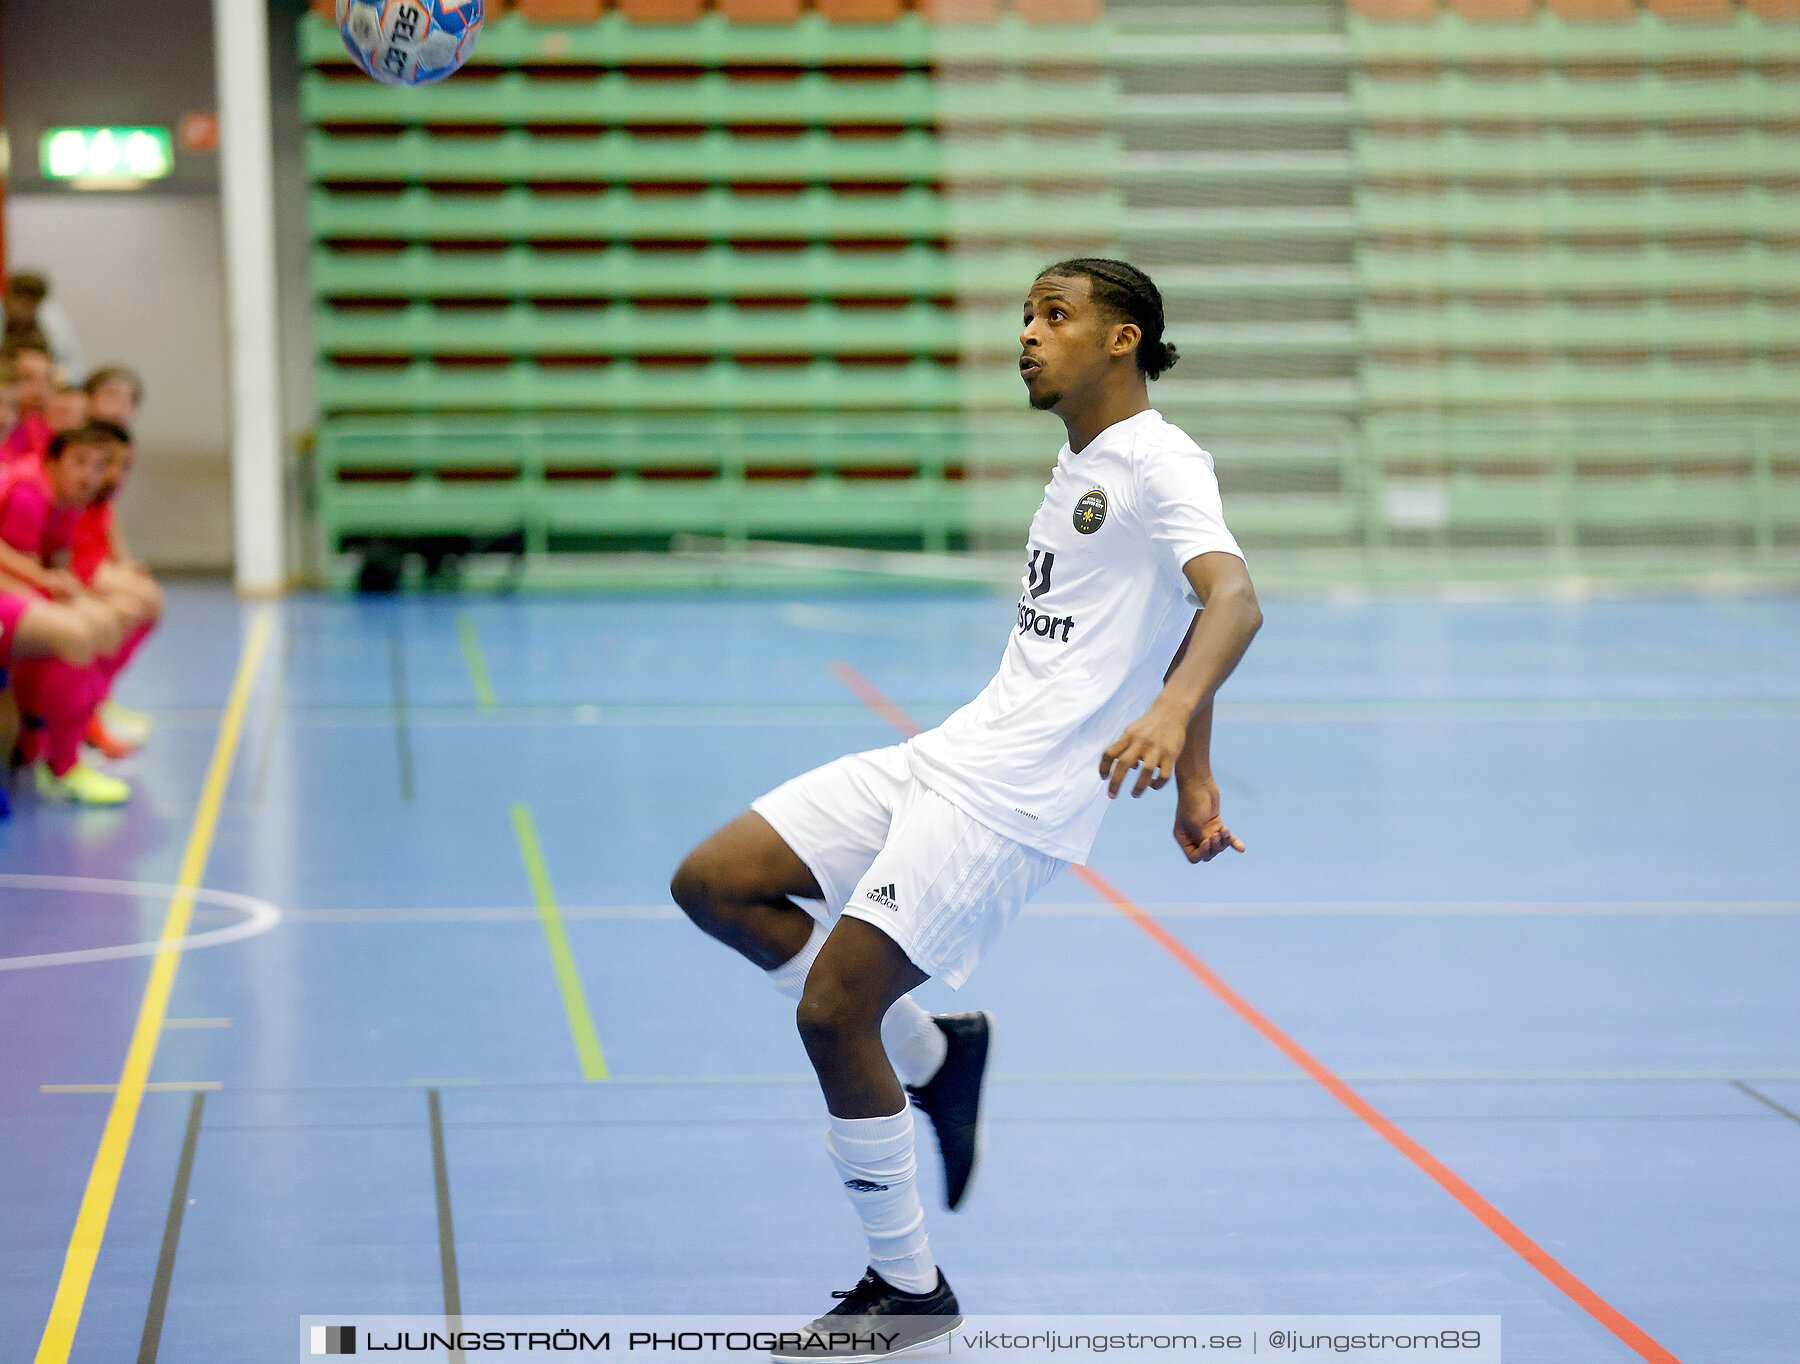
247 202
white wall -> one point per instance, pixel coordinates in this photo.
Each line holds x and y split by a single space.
140 277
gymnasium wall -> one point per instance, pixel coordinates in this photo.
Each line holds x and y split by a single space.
140 271
138 275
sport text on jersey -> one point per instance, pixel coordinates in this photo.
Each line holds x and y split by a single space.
1044 625
1037 582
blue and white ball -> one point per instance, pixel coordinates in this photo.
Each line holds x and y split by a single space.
410 42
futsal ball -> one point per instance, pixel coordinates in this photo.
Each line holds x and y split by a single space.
410 42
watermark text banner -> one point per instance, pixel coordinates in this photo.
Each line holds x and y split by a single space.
1466 1339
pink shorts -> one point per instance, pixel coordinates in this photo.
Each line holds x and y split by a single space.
12 610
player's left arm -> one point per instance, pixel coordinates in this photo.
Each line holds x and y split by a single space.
1174 737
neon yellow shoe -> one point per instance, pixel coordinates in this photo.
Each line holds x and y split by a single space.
83 785
130 725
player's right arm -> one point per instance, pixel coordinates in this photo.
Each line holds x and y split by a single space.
22 514
17 564
1200 829
1155 742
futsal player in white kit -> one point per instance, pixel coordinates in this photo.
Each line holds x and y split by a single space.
920 854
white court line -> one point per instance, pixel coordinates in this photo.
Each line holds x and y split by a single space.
1222 909
260 917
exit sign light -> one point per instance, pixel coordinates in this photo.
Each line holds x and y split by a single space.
111 158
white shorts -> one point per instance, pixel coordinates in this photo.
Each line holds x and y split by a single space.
894 853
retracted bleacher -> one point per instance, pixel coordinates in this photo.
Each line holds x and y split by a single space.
619 280
1466 290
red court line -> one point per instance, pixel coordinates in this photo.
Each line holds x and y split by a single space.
1535 1255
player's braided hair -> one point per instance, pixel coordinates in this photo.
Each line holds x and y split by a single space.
1129 293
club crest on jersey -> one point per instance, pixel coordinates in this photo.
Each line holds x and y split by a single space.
1090 512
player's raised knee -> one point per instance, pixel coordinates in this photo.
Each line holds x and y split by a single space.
833 1008
821 1016
709 888
693 887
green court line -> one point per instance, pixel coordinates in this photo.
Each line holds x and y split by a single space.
477 661
562 957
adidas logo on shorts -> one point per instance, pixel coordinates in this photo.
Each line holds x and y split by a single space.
884 896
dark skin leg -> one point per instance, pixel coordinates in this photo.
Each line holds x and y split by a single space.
736 887
858 976
9 724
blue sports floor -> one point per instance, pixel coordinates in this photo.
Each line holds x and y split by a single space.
1526 875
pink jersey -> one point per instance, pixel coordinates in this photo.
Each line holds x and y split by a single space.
26 441
90 539
30 520
12 610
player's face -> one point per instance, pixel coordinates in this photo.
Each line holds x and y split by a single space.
1063 343
77 476
34 380
114 401
116 469
66 411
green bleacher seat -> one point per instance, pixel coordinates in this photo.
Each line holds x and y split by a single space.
816 213
809 98
711 43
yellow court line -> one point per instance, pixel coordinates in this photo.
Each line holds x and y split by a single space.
562 956
121 1119
476 660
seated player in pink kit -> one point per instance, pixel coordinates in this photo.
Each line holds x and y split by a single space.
114 394
66 410
9 402
40 501
35 376
77 632
99 556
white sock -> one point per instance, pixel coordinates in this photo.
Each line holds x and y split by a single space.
874 1156
914 1043
789 978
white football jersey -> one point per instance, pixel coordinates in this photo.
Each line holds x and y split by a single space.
1104 607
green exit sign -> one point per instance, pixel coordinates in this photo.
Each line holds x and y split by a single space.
108 157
